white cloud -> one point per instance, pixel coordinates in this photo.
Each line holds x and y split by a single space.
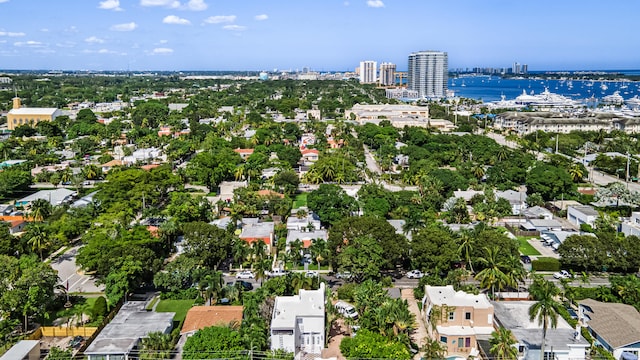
172 19
71 29
29 43
2 1
196 5
163 41
11 34
375 3
44 30
164 3
261 17
234 27
94 40
66 44
219 19
124 27
162 51
110 5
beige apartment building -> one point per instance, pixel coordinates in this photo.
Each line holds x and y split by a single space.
457 319
29 116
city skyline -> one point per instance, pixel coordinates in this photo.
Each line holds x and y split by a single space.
200 35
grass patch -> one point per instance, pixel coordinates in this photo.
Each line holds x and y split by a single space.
300 201
180 307
152 303
526 248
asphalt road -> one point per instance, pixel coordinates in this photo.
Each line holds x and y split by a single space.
69 272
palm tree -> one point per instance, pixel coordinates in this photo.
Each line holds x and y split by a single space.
38 238
492 275
502 344
40 210
576 172
478 171
433 349
157 345
514 272
466 247
211 286
546 308
502 154
91 171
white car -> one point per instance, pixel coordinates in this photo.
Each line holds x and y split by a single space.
311 274
415 274
562 274
343 275
245 275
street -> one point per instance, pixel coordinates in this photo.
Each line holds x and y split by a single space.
70 274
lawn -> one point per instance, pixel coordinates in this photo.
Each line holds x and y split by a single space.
300 201
526 248
180 307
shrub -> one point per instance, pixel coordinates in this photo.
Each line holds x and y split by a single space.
345 292
545 264
186 294
99 308
386 281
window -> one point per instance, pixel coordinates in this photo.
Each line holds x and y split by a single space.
443 339
451 315
467 342
467 316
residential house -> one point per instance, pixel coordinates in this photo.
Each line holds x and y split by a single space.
541 225
200 317
562 342
517 199
309 156
615 327
631 226
537 212
460 318
298 322
54 197
555 238
244 153
309 221
6 209
582 214
399 226
16 223
254 232
306 237
23 350
306 140
110 165
119 339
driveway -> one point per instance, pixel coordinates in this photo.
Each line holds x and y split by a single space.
419 335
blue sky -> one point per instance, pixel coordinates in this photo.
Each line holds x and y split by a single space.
320 34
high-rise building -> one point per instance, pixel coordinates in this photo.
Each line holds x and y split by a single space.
368 72
525 68
428 73
516 68
387 74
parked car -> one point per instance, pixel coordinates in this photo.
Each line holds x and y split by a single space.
415 274
276 273
246 286
343 275
525 259
311 274
347 310
245 274
562 274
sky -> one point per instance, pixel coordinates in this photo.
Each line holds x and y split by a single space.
322 35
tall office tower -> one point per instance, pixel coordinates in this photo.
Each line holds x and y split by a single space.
368 72
516 68
525 68
428 73
387 74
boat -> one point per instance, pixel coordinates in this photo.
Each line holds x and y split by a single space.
603 87
634 101
614 99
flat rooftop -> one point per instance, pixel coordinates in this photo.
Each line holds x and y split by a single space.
131 323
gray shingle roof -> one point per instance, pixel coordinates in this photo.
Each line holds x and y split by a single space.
618 324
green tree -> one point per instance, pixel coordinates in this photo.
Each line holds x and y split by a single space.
157 345
40 210
550 182
492 275
363 257
217 341
150 114
370 345
39 238
546 308
331 203
503 344
207 243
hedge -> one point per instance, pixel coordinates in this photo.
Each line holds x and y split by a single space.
545 264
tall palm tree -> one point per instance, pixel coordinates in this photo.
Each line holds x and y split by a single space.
466 247
546 308
576 172
492 275
38 238
433 349
40 210
502 344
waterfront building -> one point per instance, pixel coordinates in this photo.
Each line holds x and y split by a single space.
428 73
387 74
20 115
368 72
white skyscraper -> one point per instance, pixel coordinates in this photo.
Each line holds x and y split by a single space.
387 74
368 72
428 73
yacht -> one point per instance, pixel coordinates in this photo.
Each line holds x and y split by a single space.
614 99
634 101
603 87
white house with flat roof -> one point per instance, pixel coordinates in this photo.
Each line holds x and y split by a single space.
632 225
55 197
298 322
582 214
562 342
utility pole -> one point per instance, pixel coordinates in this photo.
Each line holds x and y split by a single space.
557 136
627 178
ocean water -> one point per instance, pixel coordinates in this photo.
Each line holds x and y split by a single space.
492 88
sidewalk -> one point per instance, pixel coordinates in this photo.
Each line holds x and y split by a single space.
419 335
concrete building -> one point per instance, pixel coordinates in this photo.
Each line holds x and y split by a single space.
254 232
387 74
306 237
120 337
428 73
368 72
582 214
462 318
23 350
29 116
616 327
376 113
562 342
524 123
402 94
632 225
298 322
55 197
305 222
